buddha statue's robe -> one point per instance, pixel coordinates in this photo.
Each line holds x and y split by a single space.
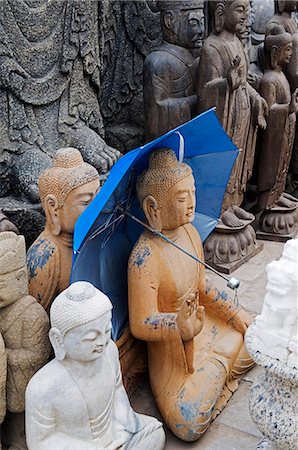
58 414
276 141
290 26
159 279
233 107
49 268
169 91
24 327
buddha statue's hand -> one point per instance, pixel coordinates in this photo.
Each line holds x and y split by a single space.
190 318
234 75
241 321
261 110
293 108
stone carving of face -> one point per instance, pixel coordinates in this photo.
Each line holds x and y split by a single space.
76 202
13 286
285 54
178 204
188 28
236 16
87 342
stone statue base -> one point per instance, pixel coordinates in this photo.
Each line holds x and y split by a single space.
28 218
273 397
278 224
227 248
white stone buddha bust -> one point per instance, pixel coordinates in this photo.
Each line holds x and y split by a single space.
77 401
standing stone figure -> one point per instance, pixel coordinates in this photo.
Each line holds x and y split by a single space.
77 401
194 333
50 61
169 91
24 327
276 141
65 190
223 83
283 16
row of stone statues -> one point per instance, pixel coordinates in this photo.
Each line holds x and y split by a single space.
196 328
188 74
55 101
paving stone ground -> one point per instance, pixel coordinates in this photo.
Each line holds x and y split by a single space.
233 429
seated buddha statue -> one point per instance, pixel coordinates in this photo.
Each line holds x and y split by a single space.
194 332
65 191
77 401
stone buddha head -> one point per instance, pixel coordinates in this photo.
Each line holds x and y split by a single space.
182 22
229 15
166 191
278 47
13 269
80 323
66 189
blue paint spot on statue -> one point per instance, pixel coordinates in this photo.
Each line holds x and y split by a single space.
141 256
38 256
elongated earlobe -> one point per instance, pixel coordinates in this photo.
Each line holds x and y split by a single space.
51 207
57 341
219 18
152 212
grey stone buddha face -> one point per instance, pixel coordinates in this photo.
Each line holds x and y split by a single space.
191 30
184 28
236 16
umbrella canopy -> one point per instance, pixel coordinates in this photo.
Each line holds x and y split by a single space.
104 236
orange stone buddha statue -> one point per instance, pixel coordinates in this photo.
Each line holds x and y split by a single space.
194 332
65 191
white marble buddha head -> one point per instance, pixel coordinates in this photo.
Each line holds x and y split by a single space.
80 323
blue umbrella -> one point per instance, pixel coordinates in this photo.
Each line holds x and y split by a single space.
104 234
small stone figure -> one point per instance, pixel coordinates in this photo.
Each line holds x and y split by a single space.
24 327
49 89
195 355
276 327
169 91
276 142
65 191
223 83
77 401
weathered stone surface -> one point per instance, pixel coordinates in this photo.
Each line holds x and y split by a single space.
51 61
24 326
203 354
131 31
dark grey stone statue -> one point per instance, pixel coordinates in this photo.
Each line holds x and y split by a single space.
50 63
170 97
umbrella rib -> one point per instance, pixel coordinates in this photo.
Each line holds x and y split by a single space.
104 227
